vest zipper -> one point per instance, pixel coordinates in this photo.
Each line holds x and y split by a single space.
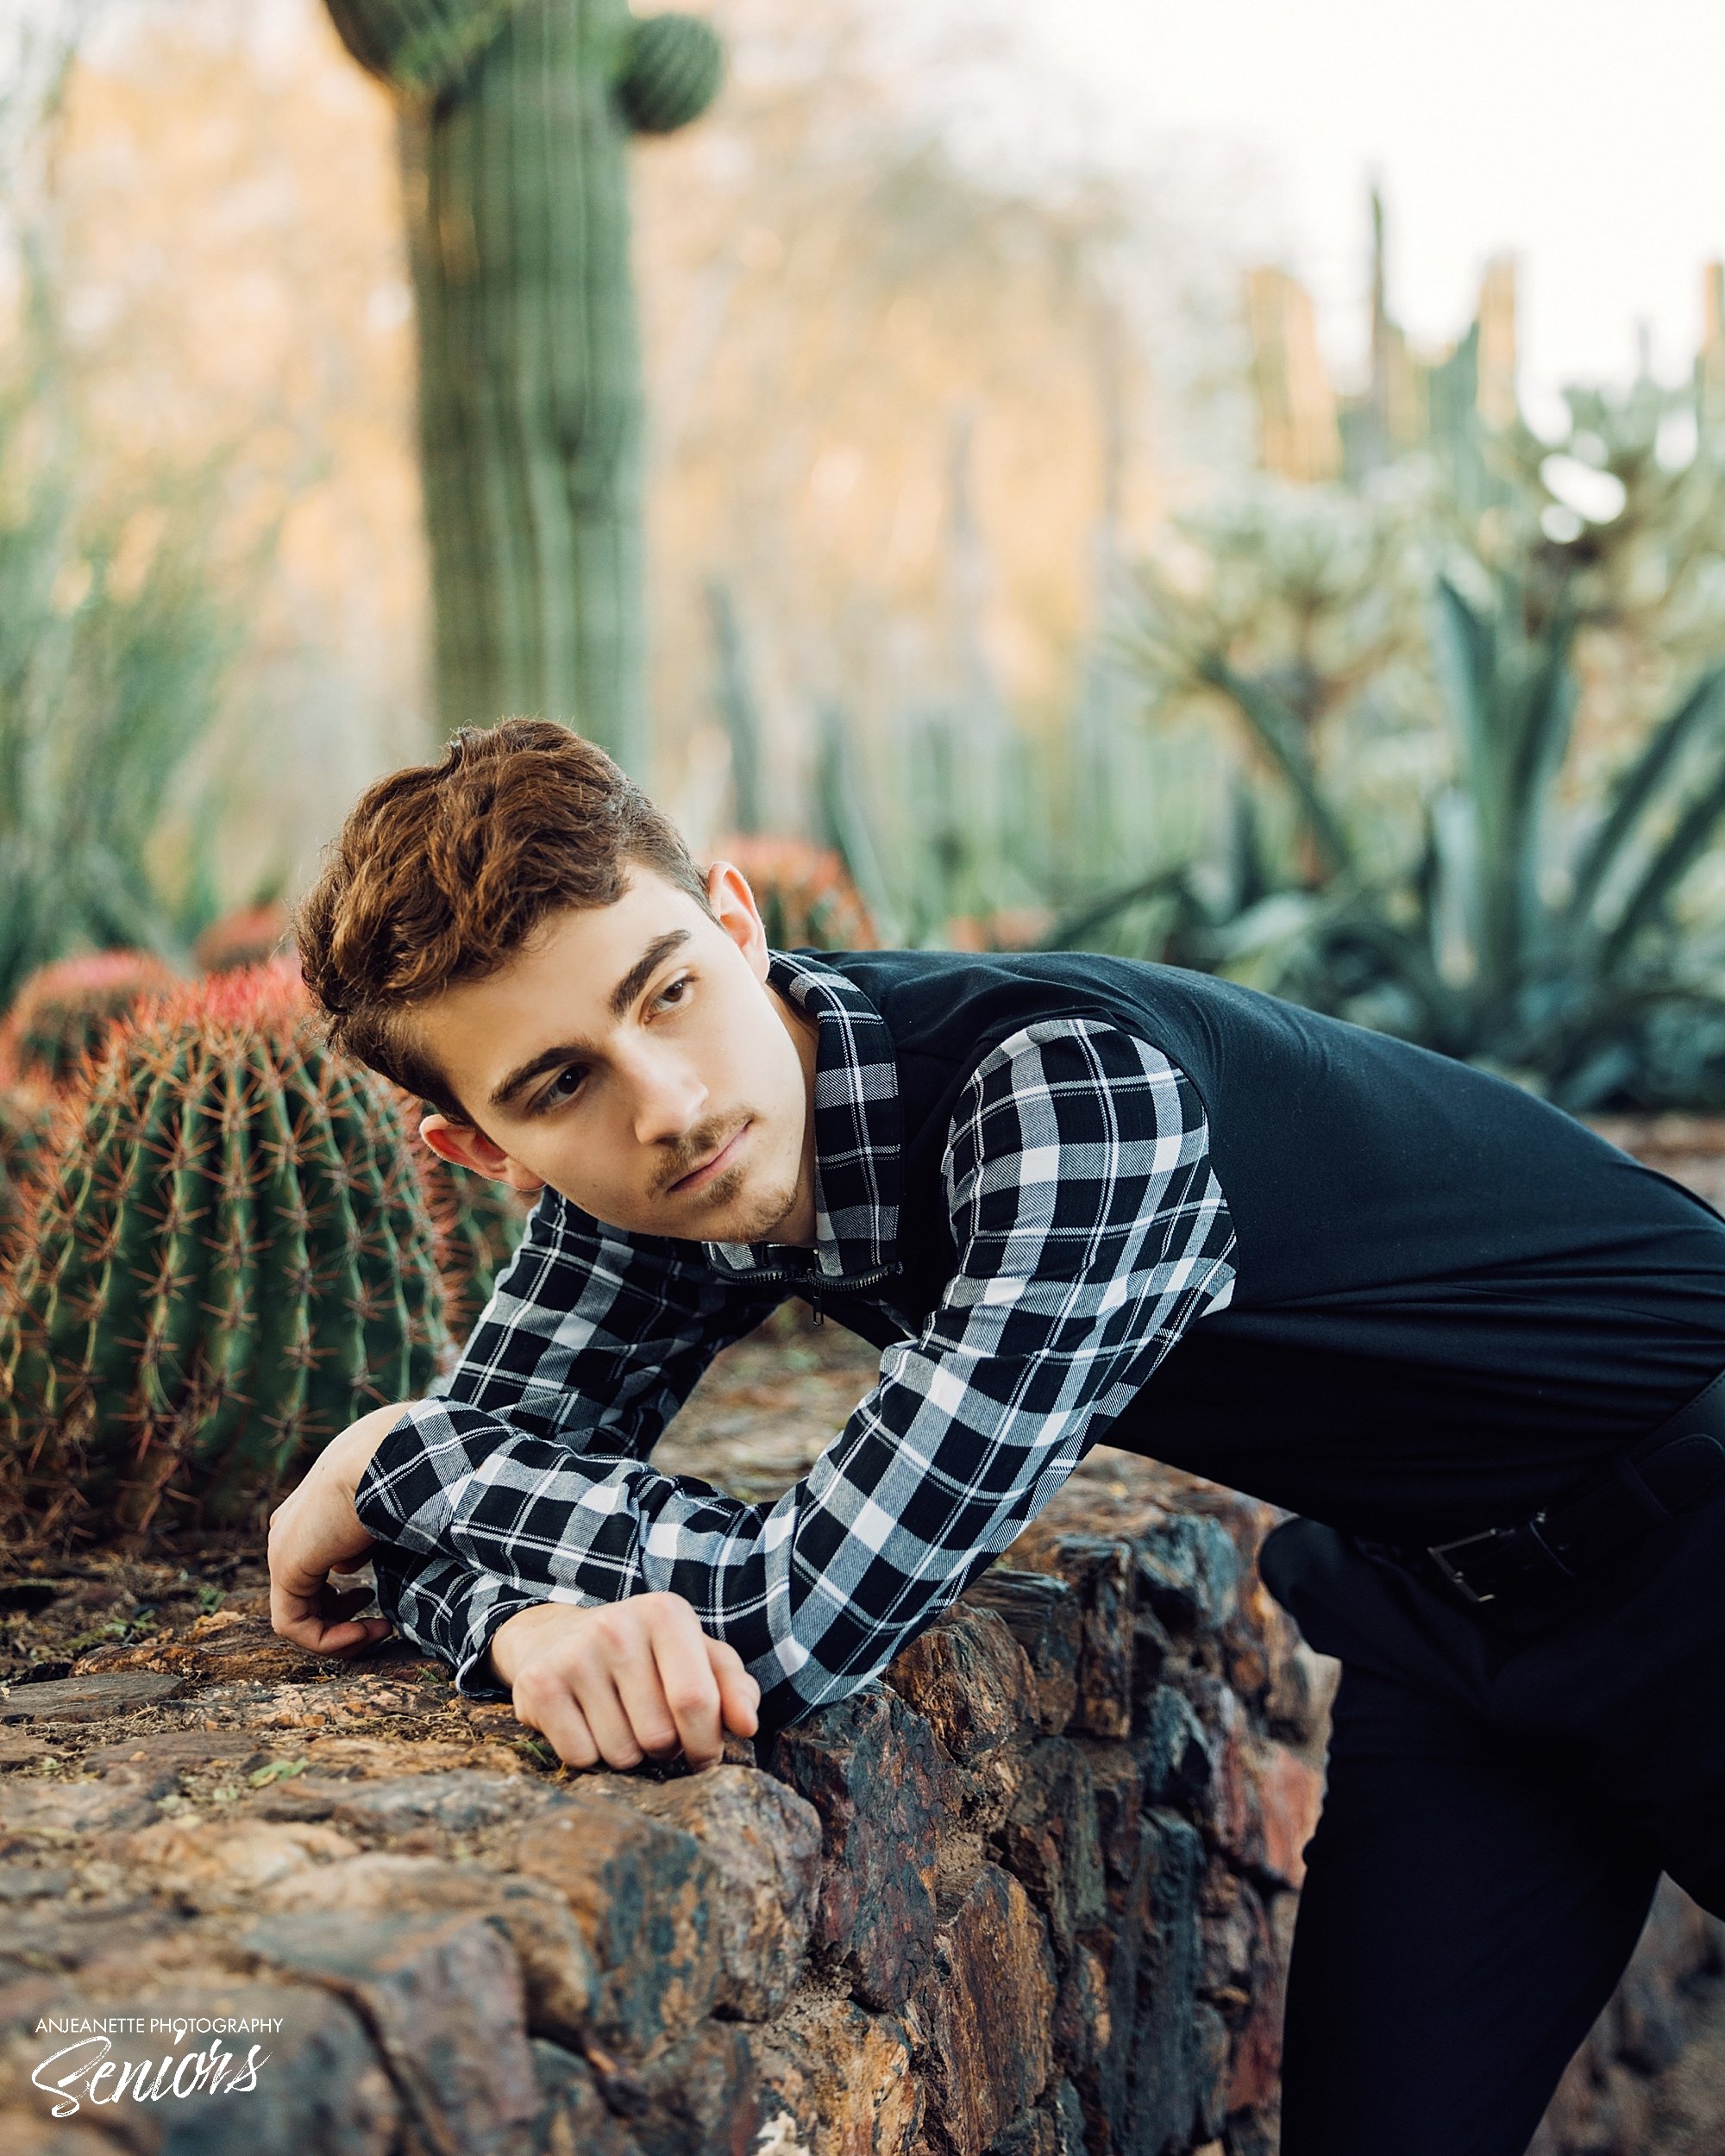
836 1287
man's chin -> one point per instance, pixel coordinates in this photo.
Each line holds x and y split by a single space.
741 1215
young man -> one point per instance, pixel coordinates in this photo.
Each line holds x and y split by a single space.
1071 1198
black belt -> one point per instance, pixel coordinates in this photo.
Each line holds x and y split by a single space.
1518 1568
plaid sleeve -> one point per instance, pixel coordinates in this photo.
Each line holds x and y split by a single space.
1090 1231
590 1339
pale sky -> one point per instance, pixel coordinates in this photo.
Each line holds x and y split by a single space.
1583 136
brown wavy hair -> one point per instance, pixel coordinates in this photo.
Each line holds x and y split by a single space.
441 871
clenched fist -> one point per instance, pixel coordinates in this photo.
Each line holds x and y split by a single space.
624 1681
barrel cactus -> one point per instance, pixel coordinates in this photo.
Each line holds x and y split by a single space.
64 1011
516 115
227 1259
250 935
480 1222
24 1121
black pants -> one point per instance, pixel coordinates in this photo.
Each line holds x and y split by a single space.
1500 1805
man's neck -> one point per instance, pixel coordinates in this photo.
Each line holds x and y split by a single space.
798 1226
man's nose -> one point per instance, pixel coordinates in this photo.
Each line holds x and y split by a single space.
669 1099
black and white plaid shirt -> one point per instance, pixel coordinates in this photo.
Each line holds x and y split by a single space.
1090 1231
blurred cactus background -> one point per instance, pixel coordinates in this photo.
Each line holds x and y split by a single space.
971 521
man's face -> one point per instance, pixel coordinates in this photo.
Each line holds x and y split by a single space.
633 1056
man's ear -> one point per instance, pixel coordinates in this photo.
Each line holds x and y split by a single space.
468 1147
737 913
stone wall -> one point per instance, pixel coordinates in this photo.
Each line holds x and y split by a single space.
1027 1896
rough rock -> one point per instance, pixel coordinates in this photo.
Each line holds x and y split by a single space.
123 1797
643 1895
1046 1618
23 2134
1102 1572
1189 1570
442 1996
702 2098
213 1867
1031 1895
971 1682
457 1802
764 1842
557 1965
1173 1752
1051 1841
321 2087
87 1698
987 2009
1083 2013
1163 2079
26 1882
1292 1795
180 1748
842 2077
574 2118
870 1768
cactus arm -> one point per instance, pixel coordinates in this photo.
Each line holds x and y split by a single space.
424 47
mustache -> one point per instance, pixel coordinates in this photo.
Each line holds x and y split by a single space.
701 1143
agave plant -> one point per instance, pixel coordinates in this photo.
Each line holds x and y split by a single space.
1546 942
1543 939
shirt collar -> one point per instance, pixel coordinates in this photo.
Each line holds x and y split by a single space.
856 1130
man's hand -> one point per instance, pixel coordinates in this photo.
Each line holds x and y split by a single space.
624 1681
314 1532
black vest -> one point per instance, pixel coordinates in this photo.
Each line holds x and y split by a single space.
1451 1299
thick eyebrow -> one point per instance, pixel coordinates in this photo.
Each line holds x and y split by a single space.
645 968
620 998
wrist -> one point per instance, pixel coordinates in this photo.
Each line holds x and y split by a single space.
349 1456
514 1637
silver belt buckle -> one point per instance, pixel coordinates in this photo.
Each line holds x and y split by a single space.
1439 1553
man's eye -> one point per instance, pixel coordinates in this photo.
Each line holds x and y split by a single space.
673 990
563 1087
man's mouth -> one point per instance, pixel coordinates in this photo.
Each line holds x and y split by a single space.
698 1178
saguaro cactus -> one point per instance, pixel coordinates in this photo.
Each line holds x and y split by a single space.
514 116
227 1258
